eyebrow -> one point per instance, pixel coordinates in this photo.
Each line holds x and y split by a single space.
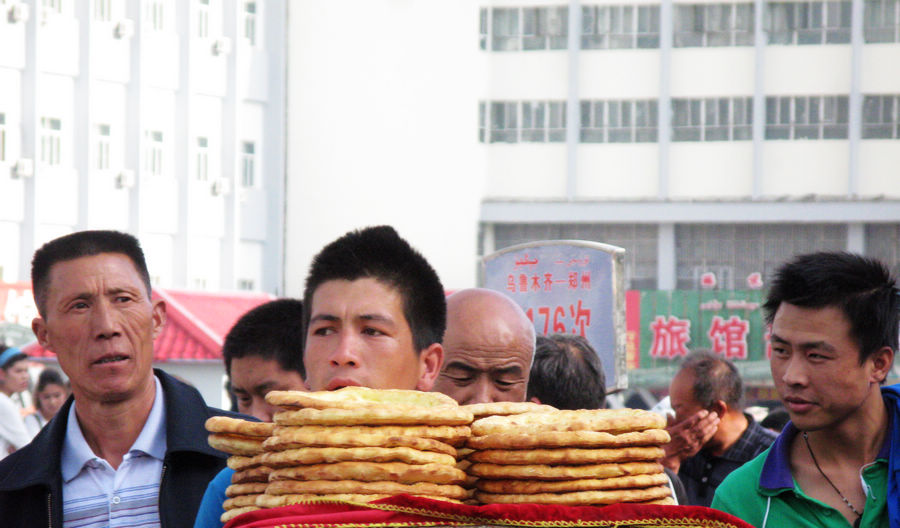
809 345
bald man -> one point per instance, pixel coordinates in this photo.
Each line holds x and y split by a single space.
488 348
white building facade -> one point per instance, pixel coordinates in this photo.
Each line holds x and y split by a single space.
162 118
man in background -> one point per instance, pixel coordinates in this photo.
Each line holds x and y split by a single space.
488 348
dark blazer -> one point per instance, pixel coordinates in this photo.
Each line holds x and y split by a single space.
31 479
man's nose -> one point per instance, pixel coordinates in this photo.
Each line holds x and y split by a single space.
346 351
483 392
104 320
794 372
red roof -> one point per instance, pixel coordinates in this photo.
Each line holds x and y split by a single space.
196 324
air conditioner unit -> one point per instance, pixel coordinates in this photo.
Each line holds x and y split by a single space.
221 187
125 179
24 168
124 29
18 13
221 46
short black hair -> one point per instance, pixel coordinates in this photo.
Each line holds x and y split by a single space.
567 373
82 244
48 376
273 330
715 378
776 419
862 288
379 253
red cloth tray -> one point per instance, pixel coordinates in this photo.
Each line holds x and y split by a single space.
405 510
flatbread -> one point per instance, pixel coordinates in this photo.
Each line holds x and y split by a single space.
357 397
454 435
252 488
665 501
294 438
324 455
608 420
648 437
577 498
276 501
565 456
396 415
242 462
224 424
231 514
257 474
545 472
318 487
240 501
505 408
562 486
236 445
372 472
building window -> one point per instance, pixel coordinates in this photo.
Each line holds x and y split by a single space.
246 284
808 22
505 30
250 22
103 141
155 15
713 25
199 284
202 159
2 137
482 28
52 5
807 117
102 10
482 121
541 121
153 162
51 141
248 164
713 119
202 19
880 117
883 243
504 122
619 121
881 21
618 27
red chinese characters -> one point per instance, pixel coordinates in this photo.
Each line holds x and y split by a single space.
729 338
574 319
670 337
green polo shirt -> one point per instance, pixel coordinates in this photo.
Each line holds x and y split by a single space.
763 492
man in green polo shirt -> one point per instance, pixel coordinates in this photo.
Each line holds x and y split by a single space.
834 321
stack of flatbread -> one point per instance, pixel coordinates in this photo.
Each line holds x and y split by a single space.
570 458
357 444
243 440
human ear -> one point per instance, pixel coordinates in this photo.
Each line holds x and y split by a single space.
430 360
882 360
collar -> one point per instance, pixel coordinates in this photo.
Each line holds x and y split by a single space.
151 441
776 472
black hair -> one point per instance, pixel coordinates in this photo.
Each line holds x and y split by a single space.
776 419
567 373
862 288
82 244
379 253
48 376
715 378
273 330
15 358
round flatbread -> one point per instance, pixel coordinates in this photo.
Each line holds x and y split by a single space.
326 455
240 462
236 426
236 445
257 474
241 501
276 501
505 408
295 438
565 456
665 501
376 416
608 420
649 437
577 498
231 514
319 487
545 472
251 488
372 472
357 397
453 435
564 486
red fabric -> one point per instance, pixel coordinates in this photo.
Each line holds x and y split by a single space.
407 510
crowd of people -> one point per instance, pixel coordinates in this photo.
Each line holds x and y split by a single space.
129 447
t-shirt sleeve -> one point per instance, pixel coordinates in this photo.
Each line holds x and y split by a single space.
211 506
12 428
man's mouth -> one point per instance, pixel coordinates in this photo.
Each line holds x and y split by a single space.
110 359
340 383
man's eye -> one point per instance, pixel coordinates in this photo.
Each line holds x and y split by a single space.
504 383
123 299
323 331
372 331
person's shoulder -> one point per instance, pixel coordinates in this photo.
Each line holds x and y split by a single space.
743 481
